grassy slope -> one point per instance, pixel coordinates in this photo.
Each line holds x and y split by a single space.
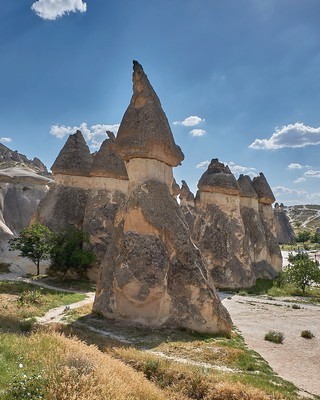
52 366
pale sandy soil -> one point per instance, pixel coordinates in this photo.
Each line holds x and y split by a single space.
297 359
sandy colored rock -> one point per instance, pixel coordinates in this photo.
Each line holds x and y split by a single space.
74 158
144 130
152 273
186 194
246 188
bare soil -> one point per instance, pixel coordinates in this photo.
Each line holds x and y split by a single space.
296 359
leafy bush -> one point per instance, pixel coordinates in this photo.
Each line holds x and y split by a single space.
296 307
68 252
274 336
307 334
303 236
27 325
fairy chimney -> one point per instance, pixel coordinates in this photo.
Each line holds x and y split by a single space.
152 273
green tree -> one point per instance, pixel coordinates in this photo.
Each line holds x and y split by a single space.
68 252
315 237
303 236
34 243
302 271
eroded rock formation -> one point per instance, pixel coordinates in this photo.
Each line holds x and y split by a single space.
284 232
152 273
66 201
218 228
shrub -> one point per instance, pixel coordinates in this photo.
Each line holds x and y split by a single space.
296 307
307 334
27 325
274 336
243 293
30 297
68 252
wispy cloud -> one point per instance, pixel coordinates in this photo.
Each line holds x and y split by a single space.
312 174
203 164
5 140
279 190
53 9
293 135
198 132
95 134
295 166
193 120
299 180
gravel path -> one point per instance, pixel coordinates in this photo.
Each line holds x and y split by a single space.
297 359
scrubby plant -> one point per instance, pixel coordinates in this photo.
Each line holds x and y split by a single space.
28 297
307 334
69 252
295 306
274 336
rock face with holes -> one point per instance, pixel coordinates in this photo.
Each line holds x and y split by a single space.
284 231
66 201
152 273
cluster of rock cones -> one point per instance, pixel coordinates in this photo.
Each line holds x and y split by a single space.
159 261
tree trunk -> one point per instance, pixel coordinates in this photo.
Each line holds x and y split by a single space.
38 267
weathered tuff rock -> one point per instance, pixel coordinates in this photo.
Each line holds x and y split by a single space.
66 201
20 192
186 196
262 249
284 231
144 131
108 191
263 190
218 228
152 273
74 158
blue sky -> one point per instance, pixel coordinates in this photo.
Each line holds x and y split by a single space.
239 80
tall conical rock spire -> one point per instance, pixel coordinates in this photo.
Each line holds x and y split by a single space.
74 158
144 130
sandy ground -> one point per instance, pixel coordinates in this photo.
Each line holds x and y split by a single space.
297 359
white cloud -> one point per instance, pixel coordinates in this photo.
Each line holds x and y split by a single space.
193 120
299 180
237 169
53 9
295 166
198 132
293 135
312 174
95 134
280 190
5 140
203 164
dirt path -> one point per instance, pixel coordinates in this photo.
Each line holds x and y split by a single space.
297 359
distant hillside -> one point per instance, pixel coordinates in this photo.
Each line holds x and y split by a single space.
304 216
10 159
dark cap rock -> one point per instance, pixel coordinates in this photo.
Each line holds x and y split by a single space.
144 131
246 189
107 163
74 158
262 188
218 178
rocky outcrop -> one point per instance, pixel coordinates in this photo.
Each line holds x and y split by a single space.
12 159
152 273
284 232
218 228
269 262
20 193
66 201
